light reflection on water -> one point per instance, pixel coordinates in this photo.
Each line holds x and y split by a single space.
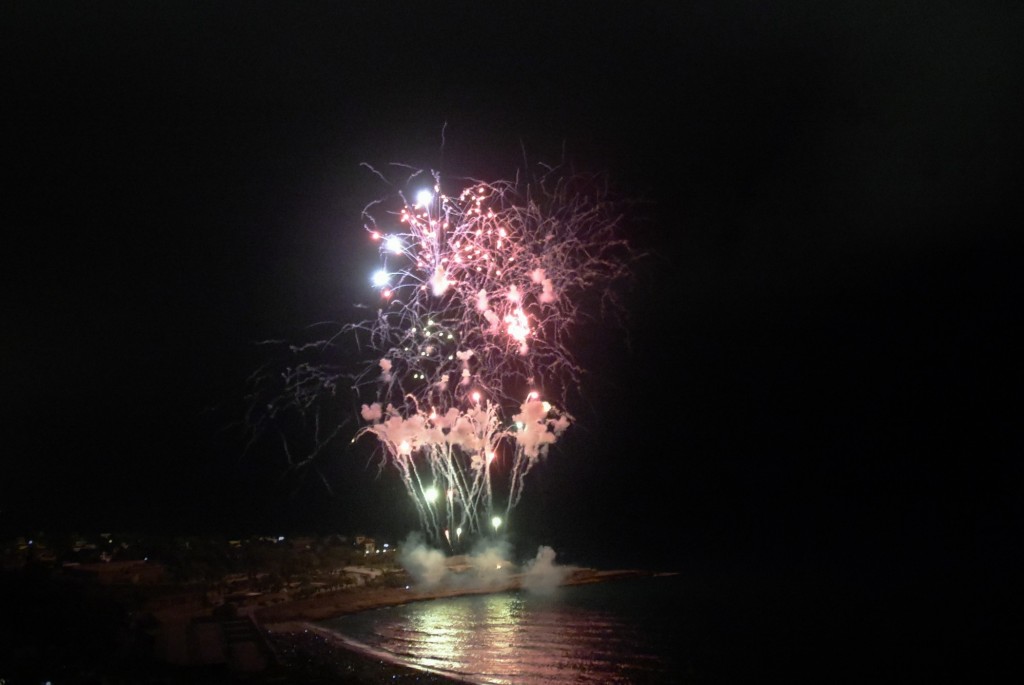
511 638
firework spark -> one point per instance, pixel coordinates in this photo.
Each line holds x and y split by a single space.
477 312
468 360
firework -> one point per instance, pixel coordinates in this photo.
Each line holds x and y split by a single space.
481 292
463 373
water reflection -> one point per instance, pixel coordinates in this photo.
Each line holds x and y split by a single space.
512 638
523 639
478 636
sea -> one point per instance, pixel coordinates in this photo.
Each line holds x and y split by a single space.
627 630
751 627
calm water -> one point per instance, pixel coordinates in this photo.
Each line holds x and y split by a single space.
749 625
619 631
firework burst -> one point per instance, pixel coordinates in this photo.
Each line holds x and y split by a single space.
468 358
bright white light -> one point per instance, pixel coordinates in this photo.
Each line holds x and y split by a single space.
496 522
439 282
518 325
430 494
423 198
380 278
394 244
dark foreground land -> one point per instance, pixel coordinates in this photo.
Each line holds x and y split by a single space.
71 632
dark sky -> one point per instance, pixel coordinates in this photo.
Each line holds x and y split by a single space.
820 361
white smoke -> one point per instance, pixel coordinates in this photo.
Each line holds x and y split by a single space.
487 567
541 575
491 565
425 565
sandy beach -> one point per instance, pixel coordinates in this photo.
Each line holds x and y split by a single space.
312 653
340 602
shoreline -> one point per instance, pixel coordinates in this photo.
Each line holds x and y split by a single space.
293 631
315 643
111 634
341 602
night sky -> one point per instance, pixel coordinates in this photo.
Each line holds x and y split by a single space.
818 369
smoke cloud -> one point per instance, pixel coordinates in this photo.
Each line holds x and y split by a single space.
487 567
426 566
541 576
490 564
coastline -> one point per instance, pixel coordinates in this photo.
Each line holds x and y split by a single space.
307 650
67 628
340 602
303 646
